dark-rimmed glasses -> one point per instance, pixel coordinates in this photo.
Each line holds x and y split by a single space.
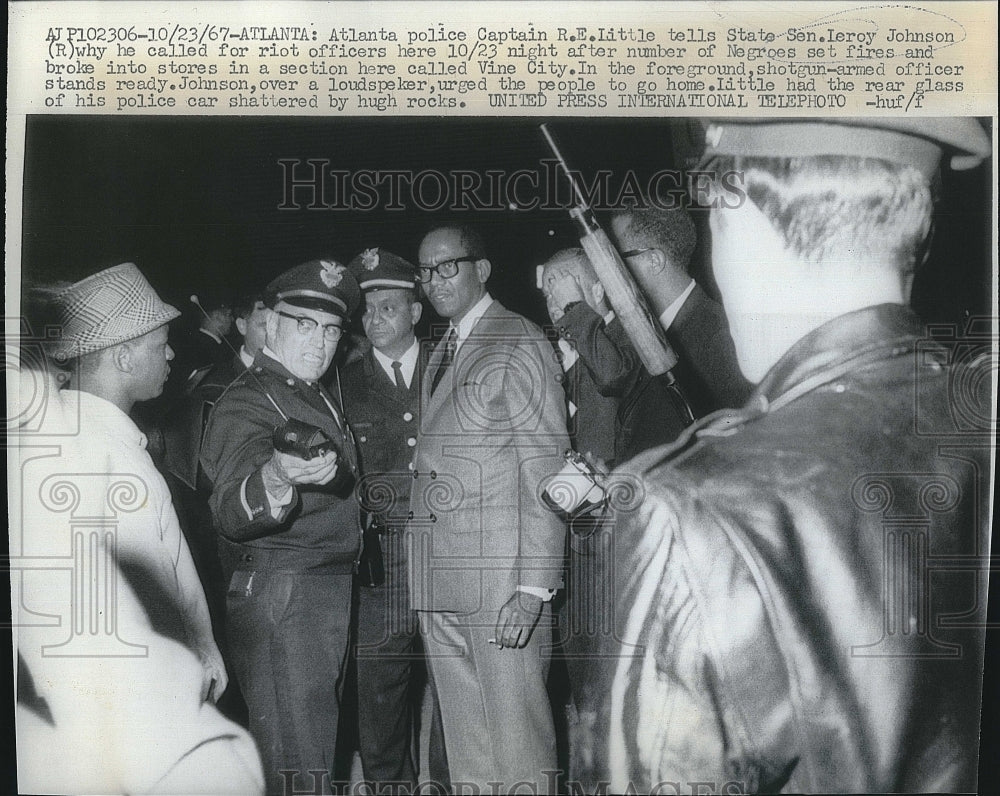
306 326
446 269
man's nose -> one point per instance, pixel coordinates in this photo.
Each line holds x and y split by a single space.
170 353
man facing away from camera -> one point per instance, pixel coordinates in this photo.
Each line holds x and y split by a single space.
288 526
485 553
784 625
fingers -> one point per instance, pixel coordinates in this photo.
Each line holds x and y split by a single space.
318 470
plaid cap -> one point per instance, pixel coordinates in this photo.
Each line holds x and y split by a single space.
911 141
323 285
108 308
380 269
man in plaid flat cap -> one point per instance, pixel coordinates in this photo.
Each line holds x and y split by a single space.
115 328
802 610
288 526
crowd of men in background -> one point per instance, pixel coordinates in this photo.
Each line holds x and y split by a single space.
376 521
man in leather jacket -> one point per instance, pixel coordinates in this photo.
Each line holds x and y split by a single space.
802 580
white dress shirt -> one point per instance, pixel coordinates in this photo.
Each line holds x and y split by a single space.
408 363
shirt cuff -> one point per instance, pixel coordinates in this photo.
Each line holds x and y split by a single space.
545 595
668 316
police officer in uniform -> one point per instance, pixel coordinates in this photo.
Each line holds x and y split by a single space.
288 525
802 607
382 398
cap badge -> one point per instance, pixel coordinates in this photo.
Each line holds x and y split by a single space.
713 135
331 273
369 258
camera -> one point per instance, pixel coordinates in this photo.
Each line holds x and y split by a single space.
302 440
576 489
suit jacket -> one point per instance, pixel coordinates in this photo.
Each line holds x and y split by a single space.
321 526
592 429
490 434
384 421
650 410
708 370
184 424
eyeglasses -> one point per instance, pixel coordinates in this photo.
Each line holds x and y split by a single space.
446 269
306 326
636 252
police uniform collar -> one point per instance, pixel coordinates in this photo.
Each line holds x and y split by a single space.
267 361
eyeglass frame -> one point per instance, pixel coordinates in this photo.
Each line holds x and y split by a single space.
636 252
436 268
305 326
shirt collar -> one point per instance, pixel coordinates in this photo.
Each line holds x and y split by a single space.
669 315
408 362
245 357
94 409
465 326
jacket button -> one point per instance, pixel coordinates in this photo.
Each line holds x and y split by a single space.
290 382
434 474
409 515
412 441
433 518
248 557
408 416
364 438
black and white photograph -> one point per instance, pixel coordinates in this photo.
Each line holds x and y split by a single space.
503 398
548 455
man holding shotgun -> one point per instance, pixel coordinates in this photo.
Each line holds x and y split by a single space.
803 585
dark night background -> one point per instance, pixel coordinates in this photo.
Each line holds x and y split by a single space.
194 202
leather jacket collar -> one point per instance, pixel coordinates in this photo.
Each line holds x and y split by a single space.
836 348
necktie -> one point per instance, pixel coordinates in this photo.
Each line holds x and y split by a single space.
397 372
447 357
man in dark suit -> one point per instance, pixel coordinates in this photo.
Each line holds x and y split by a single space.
657 245
288 526
381 393
646 410
486 555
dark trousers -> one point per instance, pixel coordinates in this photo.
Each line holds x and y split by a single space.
288 636
391 675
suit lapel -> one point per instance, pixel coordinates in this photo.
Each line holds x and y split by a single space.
446 388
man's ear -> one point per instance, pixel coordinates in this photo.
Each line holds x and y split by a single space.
416 311
241 326
483 268
597 292
122 357
657 261
271 326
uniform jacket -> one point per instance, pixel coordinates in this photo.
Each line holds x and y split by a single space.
651 411
384 421
801 576
321 526
493 430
